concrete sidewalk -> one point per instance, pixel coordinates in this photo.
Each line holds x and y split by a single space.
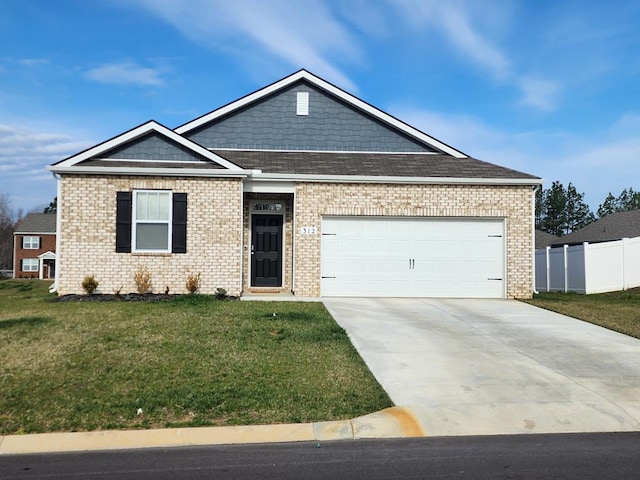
389 423
481 367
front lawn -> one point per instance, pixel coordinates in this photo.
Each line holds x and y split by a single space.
619 311
187 361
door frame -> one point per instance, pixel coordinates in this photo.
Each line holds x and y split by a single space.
253 211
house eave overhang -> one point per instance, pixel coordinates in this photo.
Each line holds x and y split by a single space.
259 176
276 177
159 172
34 233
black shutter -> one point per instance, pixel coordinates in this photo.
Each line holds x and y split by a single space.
123 222
179 225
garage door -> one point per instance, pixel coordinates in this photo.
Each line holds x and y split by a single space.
412 257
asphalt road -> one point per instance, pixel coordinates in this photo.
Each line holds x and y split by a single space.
567 457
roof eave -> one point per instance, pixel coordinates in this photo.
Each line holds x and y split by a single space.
395 179
165 172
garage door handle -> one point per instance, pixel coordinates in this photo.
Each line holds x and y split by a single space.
412 264
327 277
494 279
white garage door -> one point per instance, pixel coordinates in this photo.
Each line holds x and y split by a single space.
412 257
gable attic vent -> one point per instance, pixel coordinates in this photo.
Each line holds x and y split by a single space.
302 103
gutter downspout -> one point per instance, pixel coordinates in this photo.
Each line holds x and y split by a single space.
54 288
533 228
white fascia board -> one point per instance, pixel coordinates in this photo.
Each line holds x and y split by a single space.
164 172
34 233
393 179
230 107
347 97
139 131
371 152
269 186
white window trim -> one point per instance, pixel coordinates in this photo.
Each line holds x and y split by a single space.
31 260
134 222
30 247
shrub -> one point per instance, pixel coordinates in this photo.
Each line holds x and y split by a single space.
221 293
193 282
89 284
142 277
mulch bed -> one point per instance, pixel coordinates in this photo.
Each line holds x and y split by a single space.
128 297
104 297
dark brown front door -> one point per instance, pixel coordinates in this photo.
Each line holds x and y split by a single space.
266 250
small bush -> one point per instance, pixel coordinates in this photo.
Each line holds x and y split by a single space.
193 282
89 284
221 293
142 277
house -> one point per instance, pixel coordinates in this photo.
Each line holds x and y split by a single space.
544 239
612 227
34 247
297 188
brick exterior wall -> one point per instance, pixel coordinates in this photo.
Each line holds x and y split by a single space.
87 210
47 244
218 227
513 203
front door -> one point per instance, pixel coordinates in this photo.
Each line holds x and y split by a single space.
266 250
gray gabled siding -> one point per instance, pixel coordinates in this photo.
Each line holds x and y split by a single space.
331 125
152 147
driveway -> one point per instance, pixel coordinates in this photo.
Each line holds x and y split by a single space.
467 367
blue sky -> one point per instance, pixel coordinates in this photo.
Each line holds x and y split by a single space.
546 87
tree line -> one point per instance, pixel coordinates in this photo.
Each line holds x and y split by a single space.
561 210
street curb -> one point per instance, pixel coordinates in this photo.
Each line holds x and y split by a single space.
394 422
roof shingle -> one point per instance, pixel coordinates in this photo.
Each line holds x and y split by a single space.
37 223
612 227
369 164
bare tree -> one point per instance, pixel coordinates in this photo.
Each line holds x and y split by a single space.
8 223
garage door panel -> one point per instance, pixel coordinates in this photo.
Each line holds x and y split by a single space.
387 256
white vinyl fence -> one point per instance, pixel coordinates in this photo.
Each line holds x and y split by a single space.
590 267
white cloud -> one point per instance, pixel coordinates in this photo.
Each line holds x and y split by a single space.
302 34
459 23
539 93
126 74
453 20
33 62
24 154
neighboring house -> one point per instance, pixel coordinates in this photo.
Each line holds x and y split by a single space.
612 227
545 239
34 247
297 187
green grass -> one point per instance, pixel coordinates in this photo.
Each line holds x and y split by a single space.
188 361
619 311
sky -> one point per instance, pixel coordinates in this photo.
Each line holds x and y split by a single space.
545 87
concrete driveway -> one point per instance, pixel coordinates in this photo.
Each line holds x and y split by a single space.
466 367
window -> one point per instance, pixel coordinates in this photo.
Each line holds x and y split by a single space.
152 221
30 264
30 243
